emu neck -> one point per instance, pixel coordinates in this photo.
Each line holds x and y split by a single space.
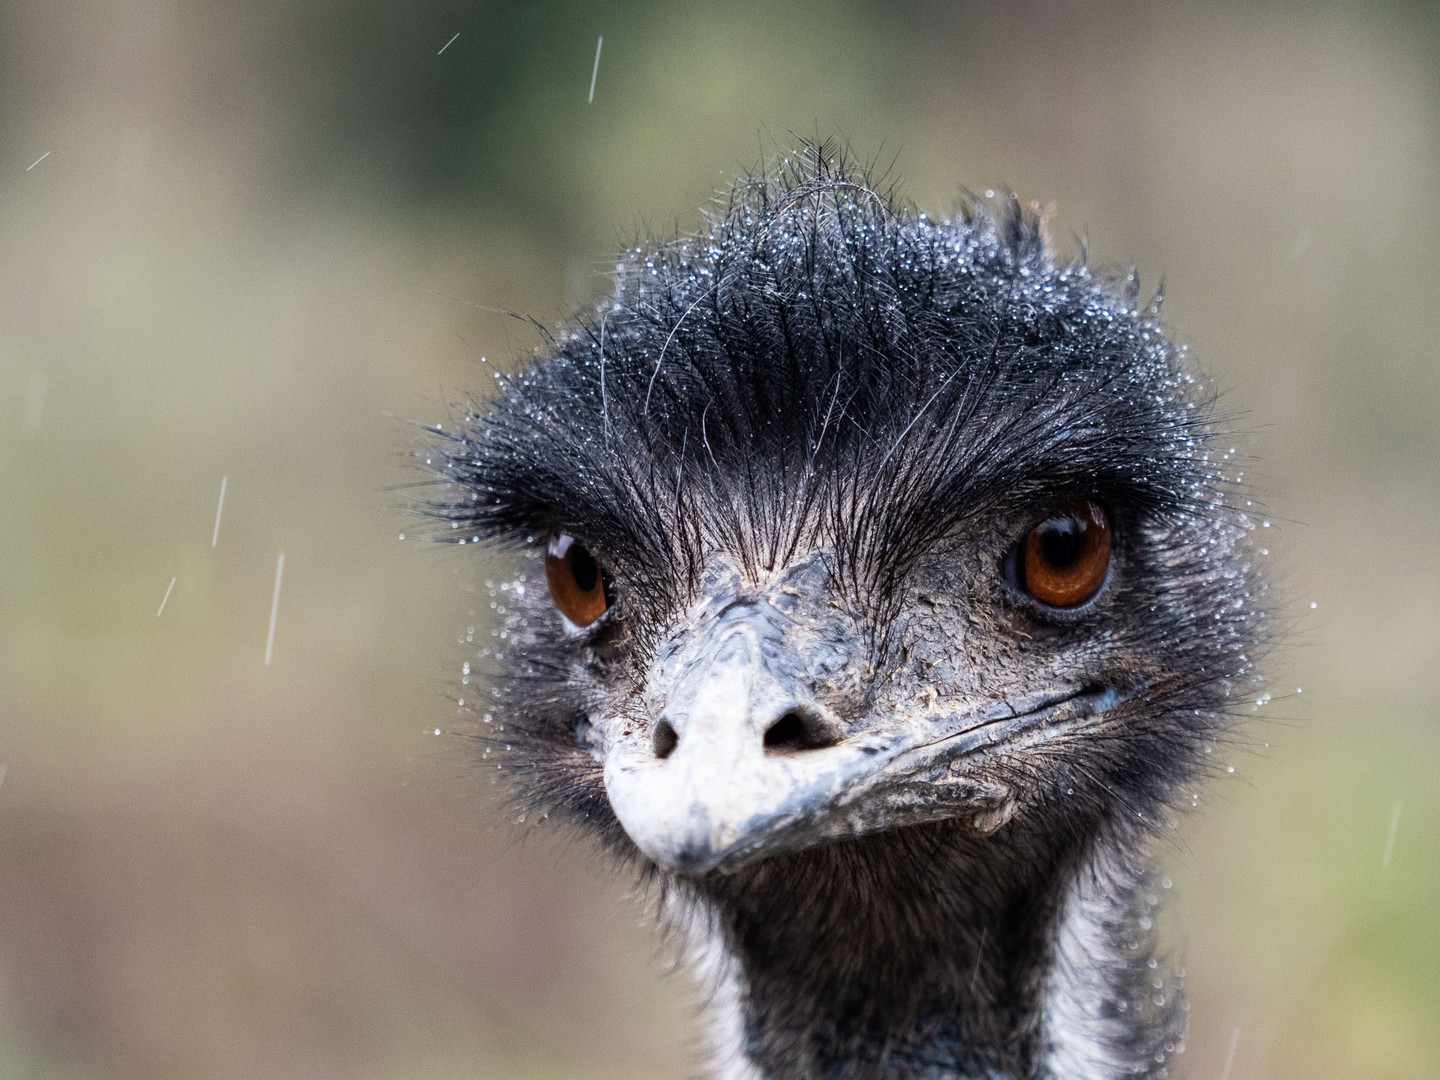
927 953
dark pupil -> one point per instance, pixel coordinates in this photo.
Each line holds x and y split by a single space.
1060 542
584 567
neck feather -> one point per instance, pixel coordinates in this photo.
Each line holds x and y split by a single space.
929 953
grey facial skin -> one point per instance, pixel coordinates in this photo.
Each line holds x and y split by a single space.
900 806
768 737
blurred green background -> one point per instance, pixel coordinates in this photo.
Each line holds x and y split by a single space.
263 236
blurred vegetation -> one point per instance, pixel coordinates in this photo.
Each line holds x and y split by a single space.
260 232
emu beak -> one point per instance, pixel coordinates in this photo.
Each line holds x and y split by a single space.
741 759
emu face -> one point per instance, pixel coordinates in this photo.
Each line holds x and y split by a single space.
782 708
852 520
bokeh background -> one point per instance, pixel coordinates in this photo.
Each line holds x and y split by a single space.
254 241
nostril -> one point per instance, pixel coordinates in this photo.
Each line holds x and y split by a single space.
794 732
787 733
665 739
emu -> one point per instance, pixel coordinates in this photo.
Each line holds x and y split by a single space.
879 592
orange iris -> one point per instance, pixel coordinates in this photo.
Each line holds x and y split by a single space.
1064 558
576 582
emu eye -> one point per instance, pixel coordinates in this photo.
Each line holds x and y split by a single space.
1062 561
577 584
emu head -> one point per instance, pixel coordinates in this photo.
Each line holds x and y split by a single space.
839 518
